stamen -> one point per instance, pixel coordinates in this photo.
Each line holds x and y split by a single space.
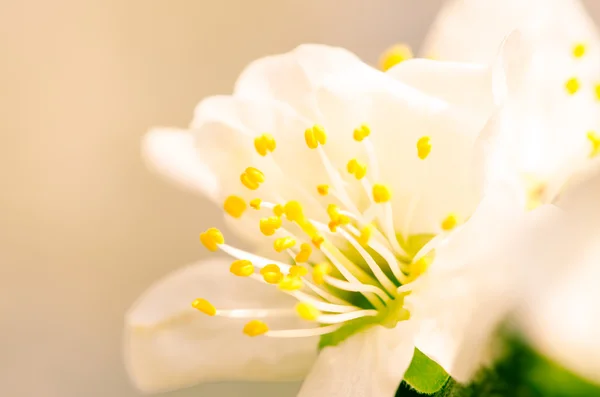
290 283
255 328
394 55
357 168
204 306
242 268
323 190
212 238
381 193
572 85
234 206
293 211
268 226
321 270
342 307
353 286
264 144
597 91
253 313
450 222
298 271
307 311
271 274
278 210
283 243
252 178
424 147
315 136
304 253
361 132
579 50
255 203
594 139
342 318
303 333
258 261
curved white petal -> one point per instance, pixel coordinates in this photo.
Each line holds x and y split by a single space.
171 152
370 363
170 345
293 77
562 316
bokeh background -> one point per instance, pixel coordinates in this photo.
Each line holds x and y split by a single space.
84 227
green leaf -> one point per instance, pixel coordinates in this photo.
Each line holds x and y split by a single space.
347 330
425 375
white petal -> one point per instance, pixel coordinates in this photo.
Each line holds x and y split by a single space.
473 283
172 153
170 345
293 77
370 363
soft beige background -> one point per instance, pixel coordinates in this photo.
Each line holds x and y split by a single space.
84 228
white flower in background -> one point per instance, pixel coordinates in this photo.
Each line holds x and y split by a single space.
359 192
548 130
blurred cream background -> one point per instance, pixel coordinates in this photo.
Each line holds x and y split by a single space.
84 227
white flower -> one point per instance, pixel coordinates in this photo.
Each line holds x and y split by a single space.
548 131
362 180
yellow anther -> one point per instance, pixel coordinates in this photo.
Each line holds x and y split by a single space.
323 190
271 273
234 206
204 306
572 85
307 311
293 211
361 132
333 225
597 91
595 141
264 144
536 191
333 211
304 254
357 168
423 147
365 234
252 178
315 136
450 222
419 267
278 210
242 268
381 193
268 226
320 271
255 203
317 240
298 271
283 243
290 283
212 238
255 328
394 55
579 50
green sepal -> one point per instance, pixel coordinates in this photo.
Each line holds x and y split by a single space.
425 375
350 328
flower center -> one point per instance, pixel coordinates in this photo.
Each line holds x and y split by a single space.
355 267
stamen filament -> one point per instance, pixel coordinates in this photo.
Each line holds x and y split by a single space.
258 261
255 313
303 333
341 318
357 287
324 306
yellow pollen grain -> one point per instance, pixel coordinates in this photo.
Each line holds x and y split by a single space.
255 328
290 283
271 273
315 136
268 226
242 268
306 311
304 253
579 50
298 271
283 243
594 139
381 193
204 306
252 178
394 55
361 132
320 271
365 234
323 190
255 203
356 168
450 222
293 211
212 238
264 144
572 85
278 210
234 206
424 147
